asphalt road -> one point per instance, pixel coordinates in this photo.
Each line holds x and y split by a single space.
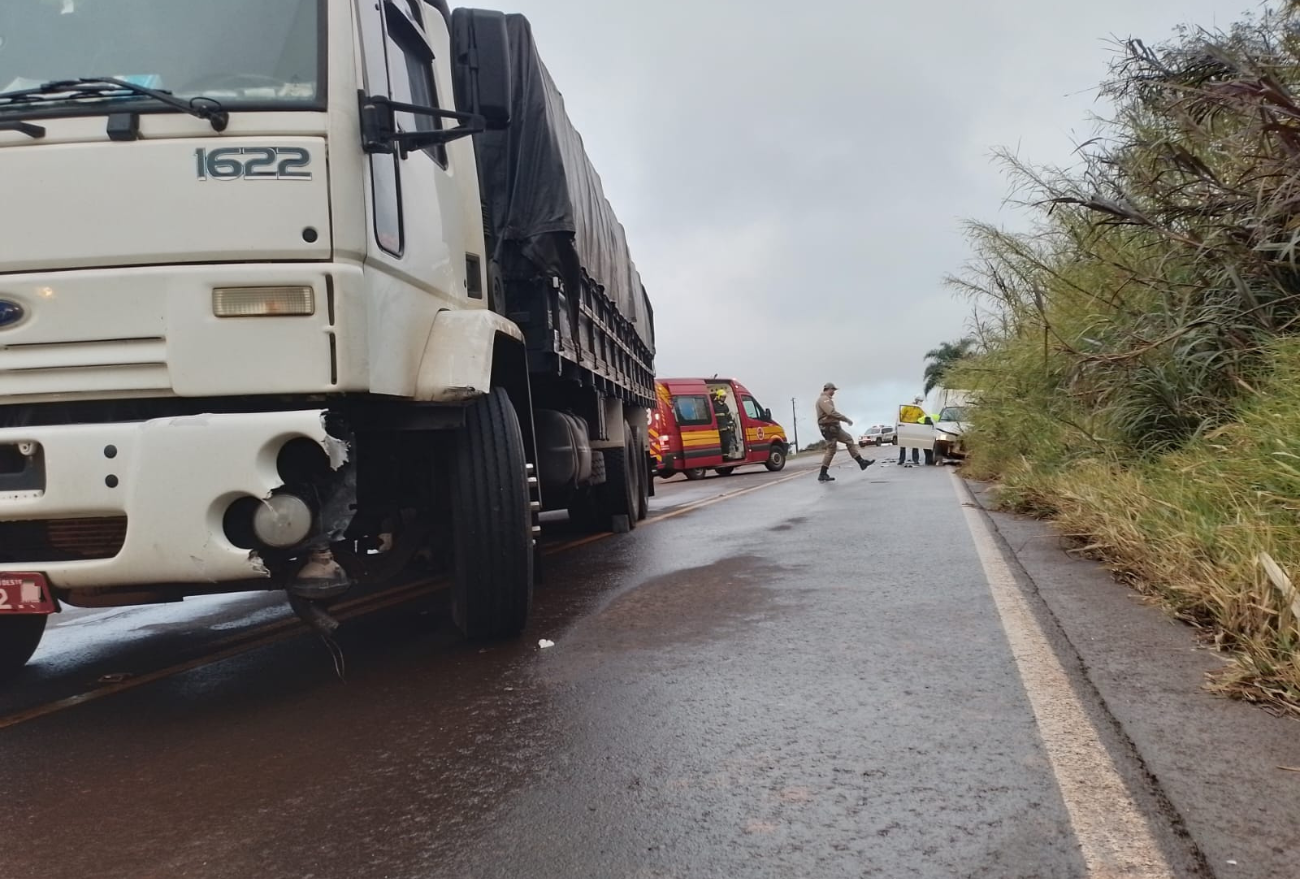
770 678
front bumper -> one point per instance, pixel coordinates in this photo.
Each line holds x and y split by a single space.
670 462
171 478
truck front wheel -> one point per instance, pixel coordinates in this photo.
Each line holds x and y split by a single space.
491 522
19 637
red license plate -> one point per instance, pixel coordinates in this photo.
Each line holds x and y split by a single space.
25 593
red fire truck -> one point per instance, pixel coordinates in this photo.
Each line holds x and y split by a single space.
715 424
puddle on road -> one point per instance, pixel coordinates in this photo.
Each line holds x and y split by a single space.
689 606
789 524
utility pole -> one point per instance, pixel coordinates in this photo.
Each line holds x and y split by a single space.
794 413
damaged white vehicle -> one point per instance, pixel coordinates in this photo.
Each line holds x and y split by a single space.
295 295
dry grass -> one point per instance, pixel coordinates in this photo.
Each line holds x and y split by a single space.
1138 355
1212 531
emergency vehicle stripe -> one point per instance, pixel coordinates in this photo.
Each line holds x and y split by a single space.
700 437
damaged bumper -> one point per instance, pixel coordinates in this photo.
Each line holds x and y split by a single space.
131 504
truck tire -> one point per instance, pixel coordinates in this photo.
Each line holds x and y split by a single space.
776 458
20 635
491 522
616 500
643 477
694 473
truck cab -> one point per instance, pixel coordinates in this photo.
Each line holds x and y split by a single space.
261 326
715 424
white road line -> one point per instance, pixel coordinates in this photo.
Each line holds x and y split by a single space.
1113 835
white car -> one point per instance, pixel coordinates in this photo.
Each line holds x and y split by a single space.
948 433
877 435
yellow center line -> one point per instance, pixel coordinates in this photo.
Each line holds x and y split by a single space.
290 627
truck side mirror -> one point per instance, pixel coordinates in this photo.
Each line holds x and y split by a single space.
379 132
483 70
767 414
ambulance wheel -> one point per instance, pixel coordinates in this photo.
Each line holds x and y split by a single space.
491 522
776 458
694 473
19 637
726 471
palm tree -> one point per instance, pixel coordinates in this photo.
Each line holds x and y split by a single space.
943 358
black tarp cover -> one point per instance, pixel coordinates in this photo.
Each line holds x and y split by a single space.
542 193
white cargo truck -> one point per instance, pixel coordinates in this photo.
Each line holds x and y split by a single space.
298 295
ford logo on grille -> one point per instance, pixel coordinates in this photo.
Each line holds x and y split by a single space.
10 313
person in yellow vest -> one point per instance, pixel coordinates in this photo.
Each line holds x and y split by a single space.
916 415
828 422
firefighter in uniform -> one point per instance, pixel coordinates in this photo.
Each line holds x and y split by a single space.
729 439
828 422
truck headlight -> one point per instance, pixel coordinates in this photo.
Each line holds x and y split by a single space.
263 301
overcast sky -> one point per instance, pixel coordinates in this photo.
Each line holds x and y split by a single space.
793 176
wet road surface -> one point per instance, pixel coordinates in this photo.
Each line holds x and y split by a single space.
773 678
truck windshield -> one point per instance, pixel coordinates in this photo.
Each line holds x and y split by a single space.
953 413
250 52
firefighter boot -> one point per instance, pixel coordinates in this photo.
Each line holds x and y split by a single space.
864 463
824 476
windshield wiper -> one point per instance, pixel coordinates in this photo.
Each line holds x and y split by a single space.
209 109
27 128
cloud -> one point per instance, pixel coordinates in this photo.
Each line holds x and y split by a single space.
793 178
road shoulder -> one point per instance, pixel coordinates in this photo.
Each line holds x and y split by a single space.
1217 761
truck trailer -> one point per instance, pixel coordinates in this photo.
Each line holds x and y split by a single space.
327 293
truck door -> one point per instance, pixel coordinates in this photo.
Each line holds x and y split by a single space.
418 212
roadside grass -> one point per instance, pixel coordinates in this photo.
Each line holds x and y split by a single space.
1137 351
1210 530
